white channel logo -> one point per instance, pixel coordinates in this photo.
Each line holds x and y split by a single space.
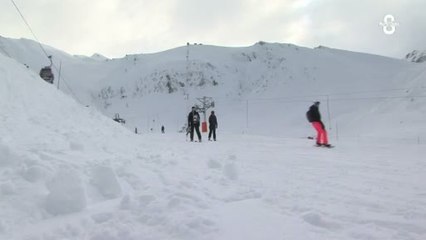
389 24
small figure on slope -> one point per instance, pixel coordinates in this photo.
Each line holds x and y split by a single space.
314 117
212 126
194 123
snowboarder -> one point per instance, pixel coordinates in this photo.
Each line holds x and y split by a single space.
194 123
162 129
212 126
314 117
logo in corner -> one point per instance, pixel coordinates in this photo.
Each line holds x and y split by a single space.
389 24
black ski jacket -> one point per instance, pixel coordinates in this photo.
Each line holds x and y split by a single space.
194 118
213 121
313 114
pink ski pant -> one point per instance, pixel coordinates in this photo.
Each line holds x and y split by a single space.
321 133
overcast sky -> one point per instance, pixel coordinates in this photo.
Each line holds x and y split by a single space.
118 27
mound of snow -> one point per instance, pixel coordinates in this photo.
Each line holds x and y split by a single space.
66 193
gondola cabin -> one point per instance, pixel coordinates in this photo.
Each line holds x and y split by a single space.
47 74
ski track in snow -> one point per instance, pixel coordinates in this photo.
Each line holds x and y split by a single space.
240 187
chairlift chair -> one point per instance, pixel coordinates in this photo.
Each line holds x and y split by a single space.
118 119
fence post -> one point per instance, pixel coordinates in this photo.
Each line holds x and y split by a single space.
328 113
337 132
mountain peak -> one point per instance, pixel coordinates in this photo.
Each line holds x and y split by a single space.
98 56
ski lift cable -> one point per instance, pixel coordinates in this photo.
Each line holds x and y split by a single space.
42 48
4 50
308 98
330 95
29 27
342 99
302 100
69 88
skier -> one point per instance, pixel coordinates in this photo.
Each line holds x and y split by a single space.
314 117
194 123
162 129
212 126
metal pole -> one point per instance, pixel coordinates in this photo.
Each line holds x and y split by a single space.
247 118
328 113
187 74
60 68
337 132
187 62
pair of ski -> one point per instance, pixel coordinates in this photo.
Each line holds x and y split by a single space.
321 145
324 146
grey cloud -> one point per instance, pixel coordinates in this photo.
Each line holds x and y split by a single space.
359 25
203 16
117 27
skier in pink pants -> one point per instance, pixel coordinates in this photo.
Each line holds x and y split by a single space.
314 117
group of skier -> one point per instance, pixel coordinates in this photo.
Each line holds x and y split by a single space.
313 115
194 125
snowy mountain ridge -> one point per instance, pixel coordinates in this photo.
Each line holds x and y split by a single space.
244 82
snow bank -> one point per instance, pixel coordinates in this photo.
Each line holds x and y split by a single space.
46 145
66 193
105 180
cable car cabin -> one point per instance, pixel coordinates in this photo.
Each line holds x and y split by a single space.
47 74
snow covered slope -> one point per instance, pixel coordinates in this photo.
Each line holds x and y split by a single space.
361 94
44 140
69 172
